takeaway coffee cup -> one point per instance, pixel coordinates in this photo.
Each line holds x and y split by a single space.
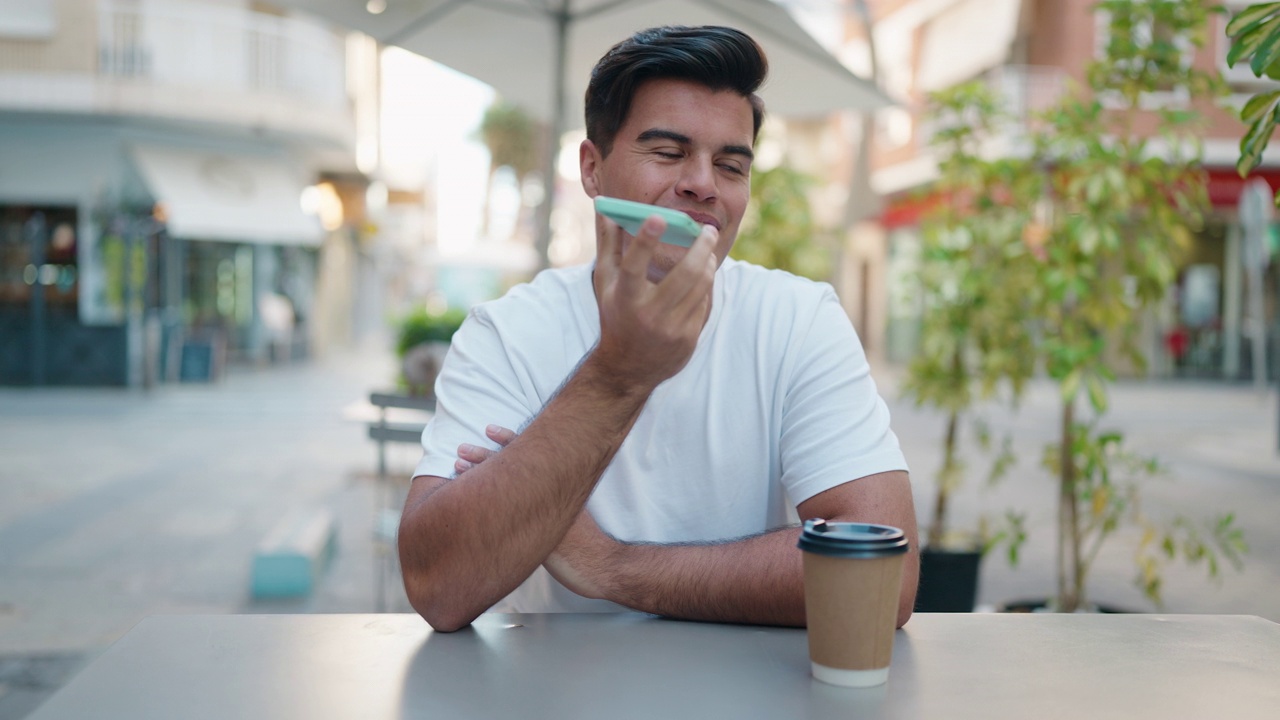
852 579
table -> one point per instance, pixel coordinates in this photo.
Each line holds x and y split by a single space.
621 666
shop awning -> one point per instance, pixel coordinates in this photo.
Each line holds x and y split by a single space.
966 39
209 195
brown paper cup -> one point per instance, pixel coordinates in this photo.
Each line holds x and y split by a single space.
851 606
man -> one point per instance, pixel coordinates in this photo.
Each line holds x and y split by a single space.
675 408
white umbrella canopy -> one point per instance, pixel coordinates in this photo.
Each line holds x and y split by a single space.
538 54
513 45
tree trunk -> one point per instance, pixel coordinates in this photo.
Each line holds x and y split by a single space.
1069 570
862 201
488 197
938 527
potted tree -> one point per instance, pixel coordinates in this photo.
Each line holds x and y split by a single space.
1114 215
1101 219
975 280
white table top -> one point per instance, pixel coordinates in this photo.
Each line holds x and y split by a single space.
616 666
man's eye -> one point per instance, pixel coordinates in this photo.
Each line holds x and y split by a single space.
730 167
668 154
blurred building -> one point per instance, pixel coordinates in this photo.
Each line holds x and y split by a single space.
1029 49
172 185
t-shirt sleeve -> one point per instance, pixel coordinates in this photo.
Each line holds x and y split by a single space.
835 425
477 386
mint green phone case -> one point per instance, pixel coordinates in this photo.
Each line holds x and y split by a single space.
682 230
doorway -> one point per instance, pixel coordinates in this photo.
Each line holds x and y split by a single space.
42 341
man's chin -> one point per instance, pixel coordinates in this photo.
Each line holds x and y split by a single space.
656 274
664 261
660 265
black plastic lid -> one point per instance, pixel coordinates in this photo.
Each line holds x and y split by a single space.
851 540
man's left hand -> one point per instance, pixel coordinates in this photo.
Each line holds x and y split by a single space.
584 557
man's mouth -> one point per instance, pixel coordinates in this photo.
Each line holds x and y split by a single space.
703 218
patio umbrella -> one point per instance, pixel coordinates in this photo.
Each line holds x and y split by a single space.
538 54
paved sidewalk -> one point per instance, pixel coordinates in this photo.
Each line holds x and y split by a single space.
115 505
118 504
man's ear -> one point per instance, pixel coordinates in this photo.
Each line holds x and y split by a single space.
589 159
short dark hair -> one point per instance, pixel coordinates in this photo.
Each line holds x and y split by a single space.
720 58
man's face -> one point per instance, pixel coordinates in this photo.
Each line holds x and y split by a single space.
682 146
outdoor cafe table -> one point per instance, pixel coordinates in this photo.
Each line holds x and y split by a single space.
616 666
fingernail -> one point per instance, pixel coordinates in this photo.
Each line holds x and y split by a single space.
493 429
466 448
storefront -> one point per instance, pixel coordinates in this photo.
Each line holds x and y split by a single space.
253 300
1209 327
244 253
133 263
40 287
1203 329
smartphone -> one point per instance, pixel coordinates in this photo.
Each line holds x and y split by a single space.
682 230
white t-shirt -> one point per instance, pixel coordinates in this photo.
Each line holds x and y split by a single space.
775 406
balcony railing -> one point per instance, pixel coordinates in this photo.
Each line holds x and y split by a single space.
191 43
185 60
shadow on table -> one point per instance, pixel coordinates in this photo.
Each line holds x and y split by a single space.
632 667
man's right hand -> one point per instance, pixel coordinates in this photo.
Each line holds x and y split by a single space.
648 329
466 544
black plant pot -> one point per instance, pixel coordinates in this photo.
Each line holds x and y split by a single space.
948 580
1042 605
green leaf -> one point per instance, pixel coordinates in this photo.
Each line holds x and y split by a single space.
1097 393
1268 52
1251 148
1070 385
1251 17
1258 105
1245 45
1255 142
1089 237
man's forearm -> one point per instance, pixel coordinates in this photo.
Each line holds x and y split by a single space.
757 580
468 542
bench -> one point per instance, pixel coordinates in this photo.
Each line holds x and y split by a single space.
413 412
382 431
291 558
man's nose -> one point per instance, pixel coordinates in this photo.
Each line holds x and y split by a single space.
697 179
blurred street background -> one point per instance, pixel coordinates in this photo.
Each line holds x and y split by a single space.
225 223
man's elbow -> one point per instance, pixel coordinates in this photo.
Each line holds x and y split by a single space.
444 621
907 594
439 613
422 587
904 614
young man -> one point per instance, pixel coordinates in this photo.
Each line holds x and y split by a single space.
676 408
